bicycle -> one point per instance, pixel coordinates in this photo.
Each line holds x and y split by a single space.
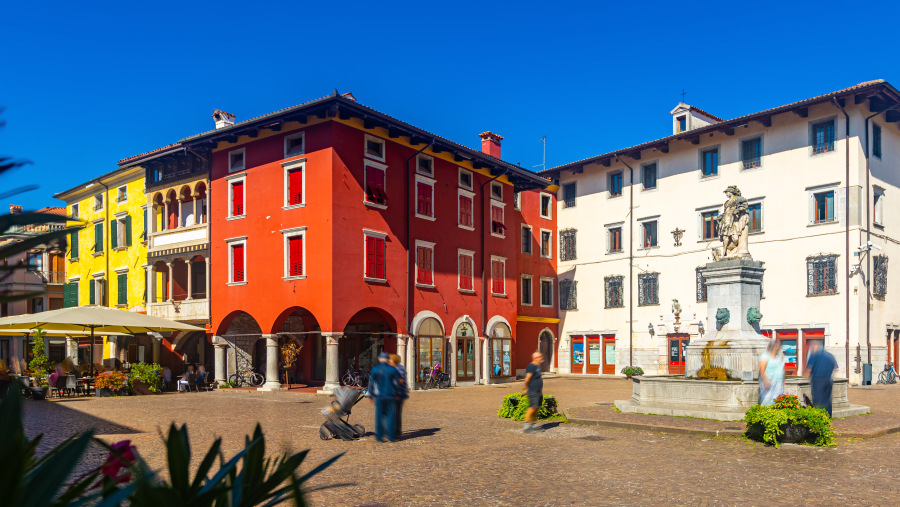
250 377
355 377
435 378
888 376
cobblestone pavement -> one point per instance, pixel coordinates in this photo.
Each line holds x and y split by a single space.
457 452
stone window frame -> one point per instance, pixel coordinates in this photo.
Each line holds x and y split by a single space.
609 283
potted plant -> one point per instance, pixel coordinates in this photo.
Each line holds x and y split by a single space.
632 371
110 383
290 351
146 379
787 421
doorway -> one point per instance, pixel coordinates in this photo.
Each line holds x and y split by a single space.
465 359
577 354
609 354
677 346
546 348
788 338
594 355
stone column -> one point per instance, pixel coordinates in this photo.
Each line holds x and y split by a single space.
452 358
219 345
190 280
165 218
169 286
151 287
332 375
486 362
113 349
178 218
157 348
478 359
206 263
195 208
401 348
412 366
69 349
272 382
555 358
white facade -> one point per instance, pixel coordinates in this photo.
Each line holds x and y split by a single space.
785 184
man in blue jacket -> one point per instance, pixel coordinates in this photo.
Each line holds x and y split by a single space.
384 388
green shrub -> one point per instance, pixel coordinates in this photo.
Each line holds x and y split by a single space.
515 405
632 371
39 364
764 423
148 373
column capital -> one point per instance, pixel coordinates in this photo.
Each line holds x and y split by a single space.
332 334
170 263
218 341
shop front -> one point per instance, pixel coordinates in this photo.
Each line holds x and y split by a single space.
465 353
501 351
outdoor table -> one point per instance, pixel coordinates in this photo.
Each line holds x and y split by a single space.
87 381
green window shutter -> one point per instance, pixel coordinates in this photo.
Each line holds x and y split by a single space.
123 289
98 237
146 226
92 298
127 230
70 295
73 245
113 233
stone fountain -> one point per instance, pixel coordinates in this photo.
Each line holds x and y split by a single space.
722 366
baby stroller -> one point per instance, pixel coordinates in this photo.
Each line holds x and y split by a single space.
338 416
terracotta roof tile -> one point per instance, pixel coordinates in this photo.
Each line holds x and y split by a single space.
151 152
698 110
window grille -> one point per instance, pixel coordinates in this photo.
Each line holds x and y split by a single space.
569 191
567 244
880 266
751 153
648 289
568 298
701 286
821 275
614 292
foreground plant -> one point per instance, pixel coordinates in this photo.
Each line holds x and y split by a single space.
247 479
768 423
514 406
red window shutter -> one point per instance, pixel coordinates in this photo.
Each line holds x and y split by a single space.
465 272
497 220
370 257
427 265
423 201
501 278
295 262
465 210
379 257
237 198
295 187
420 265
494 277
237 263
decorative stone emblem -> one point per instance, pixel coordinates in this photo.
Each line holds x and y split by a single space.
753 316
678 234
723 316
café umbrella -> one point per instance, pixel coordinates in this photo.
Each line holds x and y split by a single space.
91 319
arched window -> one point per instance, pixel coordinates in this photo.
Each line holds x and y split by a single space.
431 346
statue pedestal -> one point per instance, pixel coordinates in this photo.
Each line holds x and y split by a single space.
729 350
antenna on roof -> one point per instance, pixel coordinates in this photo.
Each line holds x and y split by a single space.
543 164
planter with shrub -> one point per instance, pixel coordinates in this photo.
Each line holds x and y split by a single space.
515 405
632 371
111 383
146 379
787 421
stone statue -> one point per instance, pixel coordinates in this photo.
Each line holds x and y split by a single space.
733 226
676 309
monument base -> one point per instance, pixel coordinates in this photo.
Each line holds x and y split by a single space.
673 395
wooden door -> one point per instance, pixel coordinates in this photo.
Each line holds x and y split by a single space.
677 345
578 354
465 359
809 336
546 348
788 338
896 348
594 356
609 354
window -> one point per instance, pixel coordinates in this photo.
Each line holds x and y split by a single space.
74 211
375 148
294 253
649 229
649 173
876 140
546 292
614 239
517 200
120 232
95 291
568 298
526 239
466 209
497 191
708 225
236 160
497 226
526 290
821 275
466 262
546 244
37 305
498 276
375 253
823 206
751 153
73 245
567 244
236 198
237 253
375 192
425 165
501 351
569 190
879 207
70 294
614 292
294 145
879 268
122 289
35 261
701 285
682 123
756 218
122 193
822 134
424 263
709 163
616 182
424 197
98 202
546 206
98 237
294 179
465 179
648 289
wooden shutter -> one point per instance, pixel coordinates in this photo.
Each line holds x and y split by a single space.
465 210
122 289
463 282
237 198
73 245
379 257
146 225
295 248
375 185
420 268
237 263
92 295
370 257
70 295
423 202
98 237
113 234
295 187
127 230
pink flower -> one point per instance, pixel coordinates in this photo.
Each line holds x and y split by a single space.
114 463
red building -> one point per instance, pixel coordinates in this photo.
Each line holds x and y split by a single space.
351 232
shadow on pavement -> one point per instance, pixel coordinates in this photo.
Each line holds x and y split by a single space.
58 422
420 433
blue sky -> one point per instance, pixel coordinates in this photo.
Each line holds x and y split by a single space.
86 84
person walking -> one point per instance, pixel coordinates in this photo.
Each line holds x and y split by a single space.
403 392
771 373
384 391
820 367
534 388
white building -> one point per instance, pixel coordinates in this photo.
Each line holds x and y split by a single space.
805 176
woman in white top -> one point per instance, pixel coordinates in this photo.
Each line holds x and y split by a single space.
183 383
771 373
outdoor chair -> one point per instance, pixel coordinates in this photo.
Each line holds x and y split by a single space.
71 384
192 382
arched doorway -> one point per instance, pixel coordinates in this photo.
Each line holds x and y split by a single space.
241 331
545 347
465 352
196 350
300 326
431 349
368 333
501 350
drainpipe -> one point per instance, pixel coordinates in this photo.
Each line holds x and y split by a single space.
630 261
869 237
846 234
484 231
106 243
409 245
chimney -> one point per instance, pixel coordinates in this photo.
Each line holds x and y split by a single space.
490 143
222 118
15 209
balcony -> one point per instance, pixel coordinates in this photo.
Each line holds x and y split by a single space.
182 235
184 310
